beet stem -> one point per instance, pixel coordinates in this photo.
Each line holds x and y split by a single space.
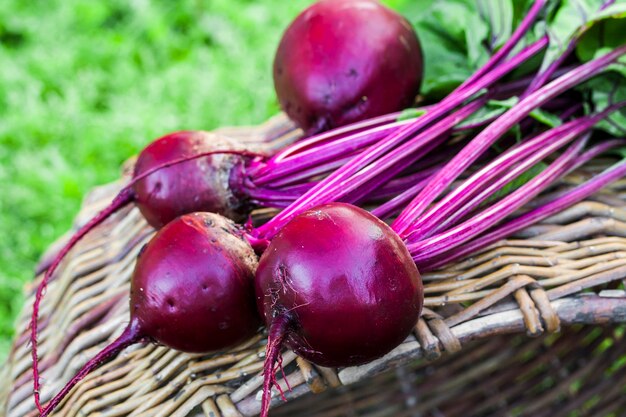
285 167
125 197
276 335
382 188
319 194
400 158
599 149
390 207
399 185
517 87
451 207
131 335
543 76
281 178
577 194
493 132
457 235
267 196
339 132
311 172
385 169
575 163
551 144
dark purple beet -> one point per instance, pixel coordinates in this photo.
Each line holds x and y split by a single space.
191 290
202 184
341 61
192 287
338 287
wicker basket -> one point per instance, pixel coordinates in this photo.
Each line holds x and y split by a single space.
527 327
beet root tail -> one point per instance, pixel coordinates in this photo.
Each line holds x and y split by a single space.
275 338
131 335
125 197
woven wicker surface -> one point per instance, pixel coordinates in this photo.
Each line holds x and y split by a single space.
575 373
564 272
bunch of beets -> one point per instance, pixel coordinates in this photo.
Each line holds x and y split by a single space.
371 195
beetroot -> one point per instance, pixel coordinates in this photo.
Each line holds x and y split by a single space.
203 184
191 290
192 286
341 61
338 286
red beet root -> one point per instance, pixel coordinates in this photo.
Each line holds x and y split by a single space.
202 184
338 287
191 290
341 61
192 287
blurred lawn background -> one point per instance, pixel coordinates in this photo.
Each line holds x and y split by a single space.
84 84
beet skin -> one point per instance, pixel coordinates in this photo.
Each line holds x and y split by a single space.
341 61
346 283
203 184
192 287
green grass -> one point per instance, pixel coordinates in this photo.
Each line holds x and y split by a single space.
85 84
